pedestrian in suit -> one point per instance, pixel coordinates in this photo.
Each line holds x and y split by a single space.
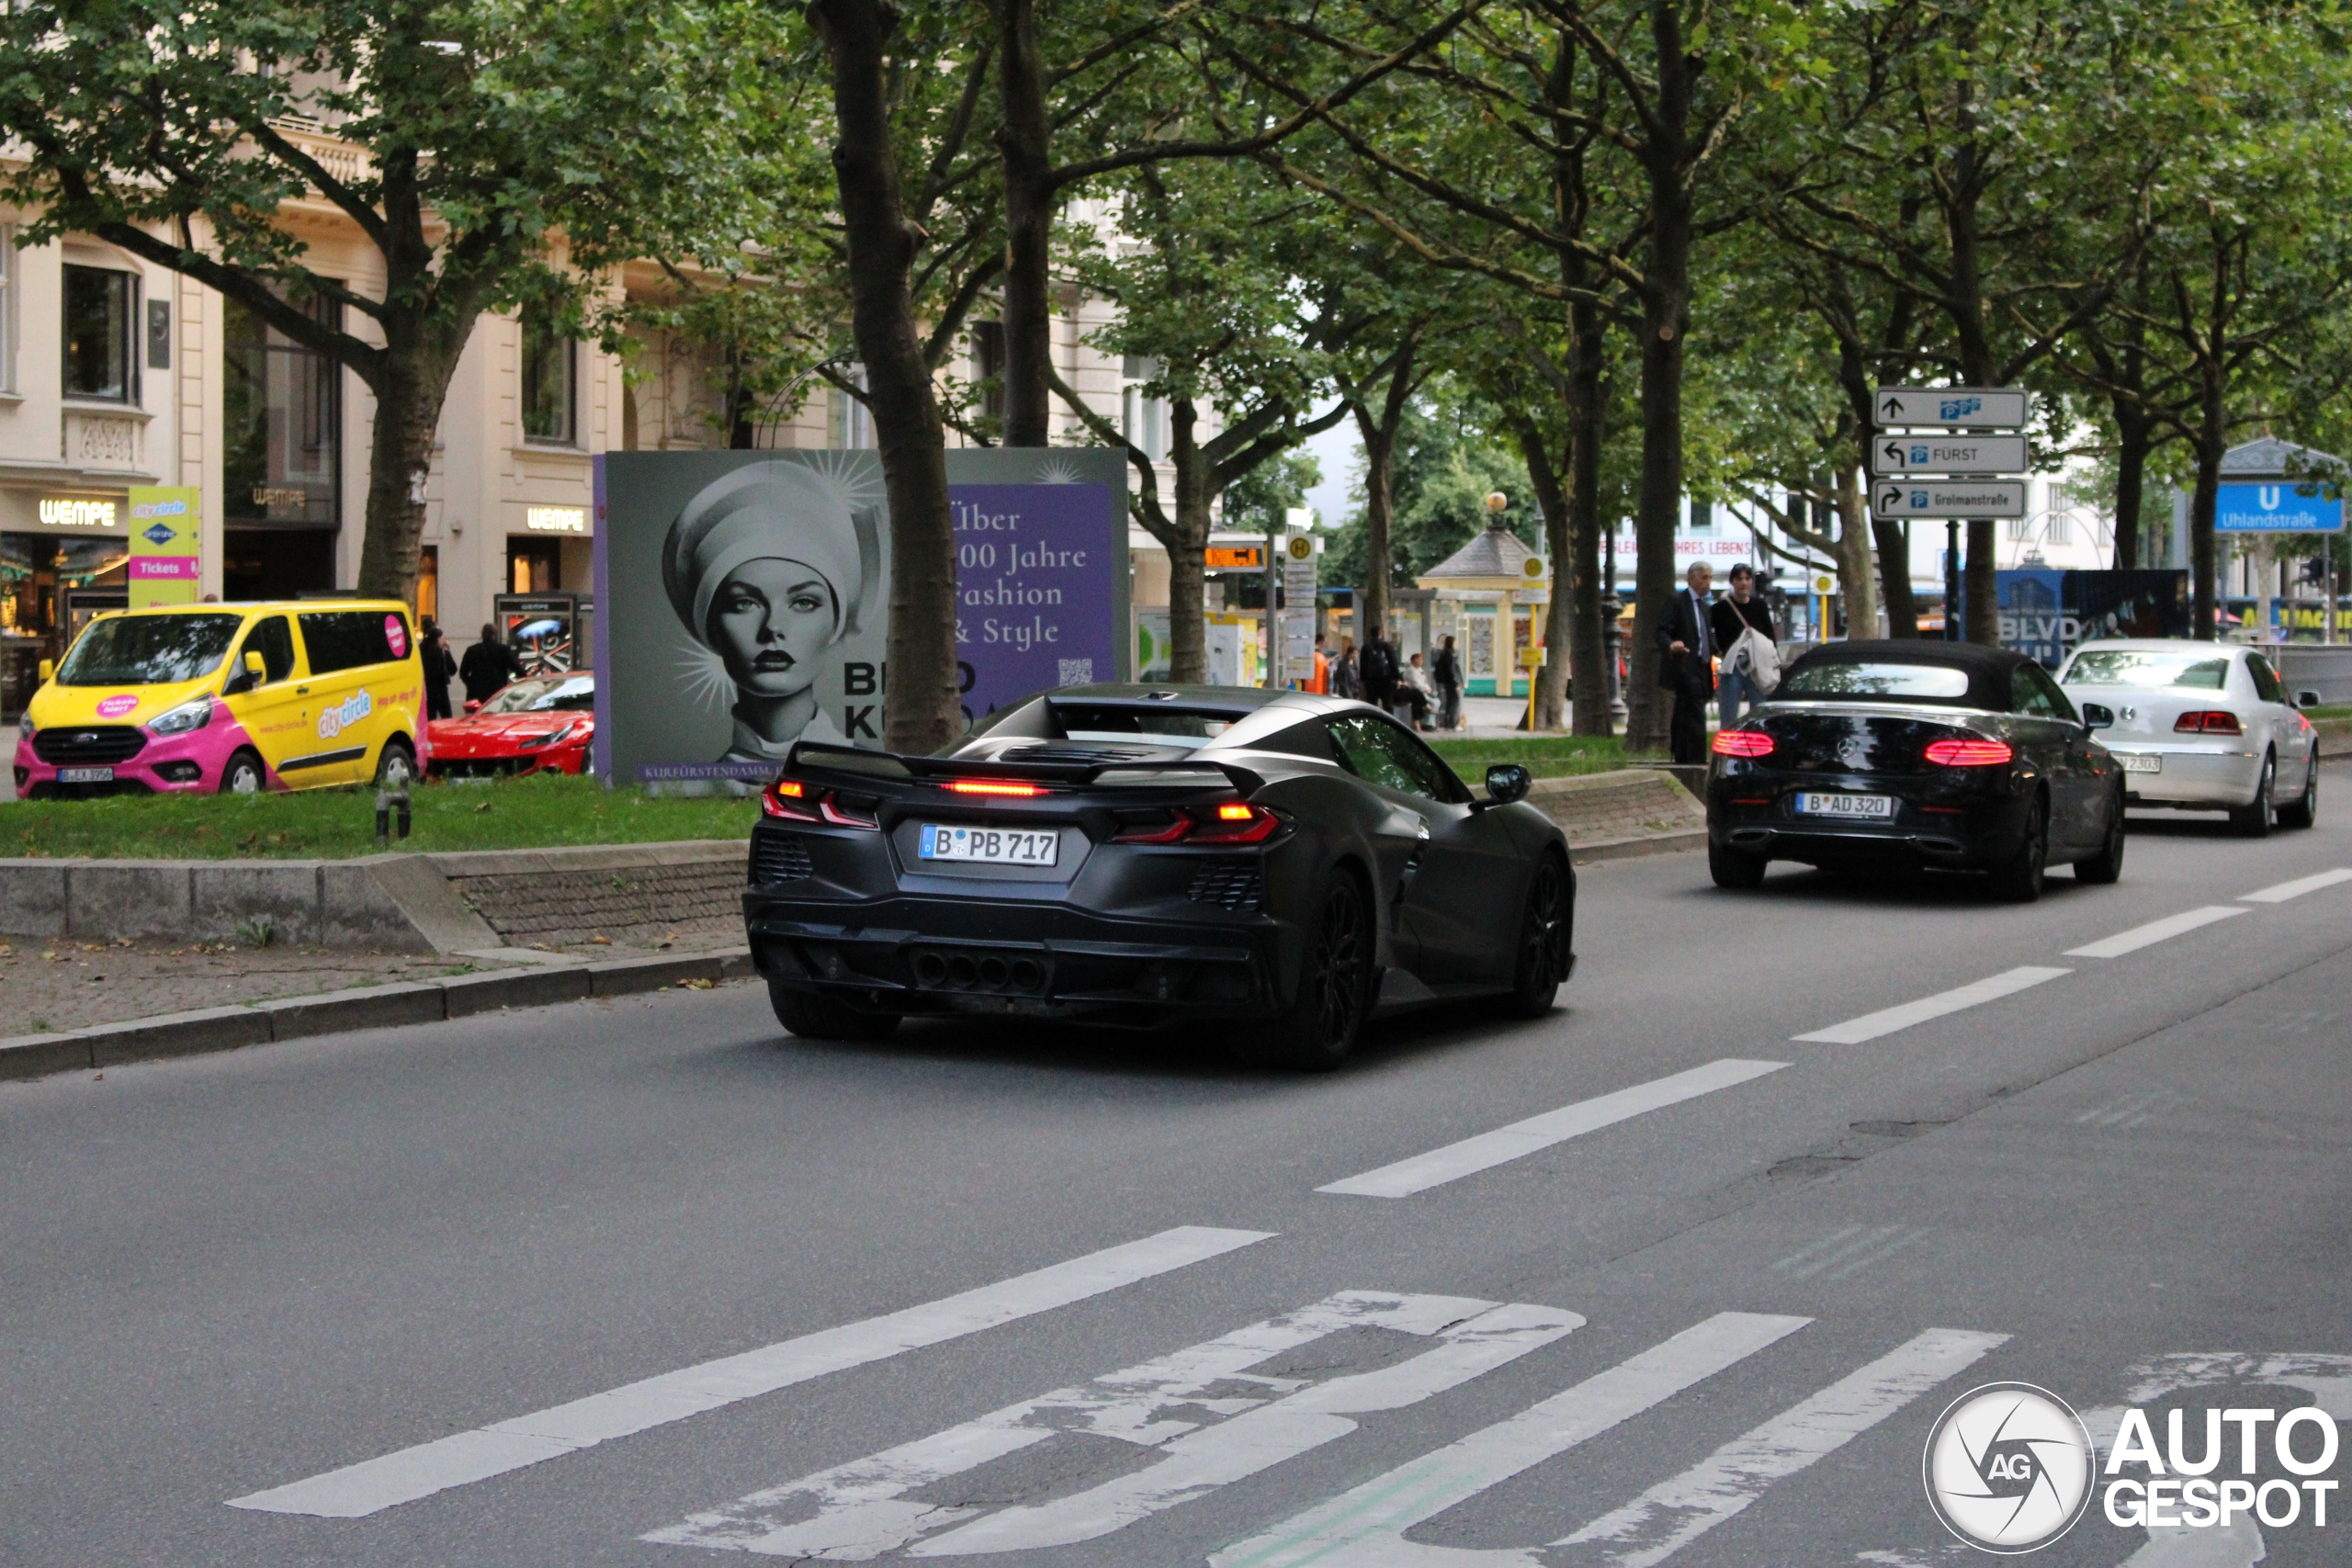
1686 663
1377 669
439 665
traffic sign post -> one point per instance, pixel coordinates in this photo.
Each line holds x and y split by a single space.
1948 498
1954 408
1948 454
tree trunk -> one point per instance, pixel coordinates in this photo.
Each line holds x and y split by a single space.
1895 578
920 711
1379 510
1024 141
1589 712
1559 627
1666 310
1854 574
409 396
2136 437
1188 661
2213 440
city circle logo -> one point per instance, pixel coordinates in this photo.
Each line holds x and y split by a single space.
2008 1468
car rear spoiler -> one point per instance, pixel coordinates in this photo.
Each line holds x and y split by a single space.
887 767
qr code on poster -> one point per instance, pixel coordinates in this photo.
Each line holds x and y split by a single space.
1076 672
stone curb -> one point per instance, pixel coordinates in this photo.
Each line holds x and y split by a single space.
1634 844
366 1007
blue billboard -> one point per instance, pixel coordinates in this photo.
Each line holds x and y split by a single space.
2275 506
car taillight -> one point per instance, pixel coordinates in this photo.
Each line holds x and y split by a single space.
1742 744
2212 721
1229 822
844 816
1969 753
995 786
787 797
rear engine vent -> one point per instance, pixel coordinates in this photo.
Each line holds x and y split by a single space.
778 857
1229 883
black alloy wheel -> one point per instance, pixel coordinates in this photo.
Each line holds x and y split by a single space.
2105 867
1734 869
2303 810
1320 1031
2019 878
1543 935
813 1017
2253 821
243 775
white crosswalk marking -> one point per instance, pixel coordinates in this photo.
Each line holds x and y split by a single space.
1453 1162
375 1484
2282 891
1674 1513
2155 932
861 1510
1365 1528
1869 1026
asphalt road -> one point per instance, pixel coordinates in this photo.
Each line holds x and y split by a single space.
376 1275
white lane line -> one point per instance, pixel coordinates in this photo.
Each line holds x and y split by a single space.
1177 1404
1504 1144
1364 1528
372 1485
1672 1514
1993 987
2155 932
2297 889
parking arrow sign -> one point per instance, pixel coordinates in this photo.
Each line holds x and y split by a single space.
1948 498
1938 453
1959 408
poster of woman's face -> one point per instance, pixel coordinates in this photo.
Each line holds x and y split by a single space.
742 598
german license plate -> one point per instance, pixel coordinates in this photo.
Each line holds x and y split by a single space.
2141 761
990 846
85 775
1858 806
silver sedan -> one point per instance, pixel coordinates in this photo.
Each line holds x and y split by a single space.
2200 726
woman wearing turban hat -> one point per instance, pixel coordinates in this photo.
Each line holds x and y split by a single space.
765 568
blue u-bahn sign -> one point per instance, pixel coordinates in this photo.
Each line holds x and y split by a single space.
2275 506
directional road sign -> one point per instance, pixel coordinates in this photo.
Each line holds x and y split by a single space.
1948 498
2273 506
1963 408
1948 454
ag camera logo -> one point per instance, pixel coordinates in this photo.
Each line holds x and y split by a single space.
2008 1468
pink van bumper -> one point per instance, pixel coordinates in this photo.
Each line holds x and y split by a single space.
168 764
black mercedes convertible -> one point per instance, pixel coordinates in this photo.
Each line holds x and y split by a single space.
1919 755
1279 866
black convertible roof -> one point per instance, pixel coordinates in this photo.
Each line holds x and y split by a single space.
1988 669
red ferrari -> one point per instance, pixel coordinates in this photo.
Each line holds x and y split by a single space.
542 725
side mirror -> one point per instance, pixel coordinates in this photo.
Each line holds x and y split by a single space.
473 705
2307 699
49 669
1507 781
2096 717
250 674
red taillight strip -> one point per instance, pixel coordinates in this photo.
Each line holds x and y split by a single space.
995 786
1228 823
2211 721
840 818
1970 754
1742 744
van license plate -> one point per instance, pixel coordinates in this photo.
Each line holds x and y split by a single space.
2141 761
85 775
1861 806
990 846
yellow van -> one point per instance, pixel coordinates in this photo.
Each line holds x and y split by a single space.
229 698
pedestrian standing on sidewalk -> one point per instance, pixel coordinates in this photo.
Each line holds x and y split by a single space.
1446 670
1320 682
489 666
1732 618
439 665
1686 665
1376 668
1344 683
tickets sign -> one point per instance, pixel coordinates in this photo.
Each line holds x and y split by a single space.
167 544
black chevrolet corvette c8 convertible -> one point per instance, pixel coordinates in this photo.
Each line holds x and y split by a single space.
1279 866
1917 754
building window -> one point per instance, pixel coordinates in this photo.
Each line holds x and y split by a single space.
547 376
281 442
851 426
988 367
2020 530
1142 419
99 303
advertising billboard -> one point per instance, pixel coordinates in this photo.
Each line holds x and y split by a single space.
2048 613
743 598
166 556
